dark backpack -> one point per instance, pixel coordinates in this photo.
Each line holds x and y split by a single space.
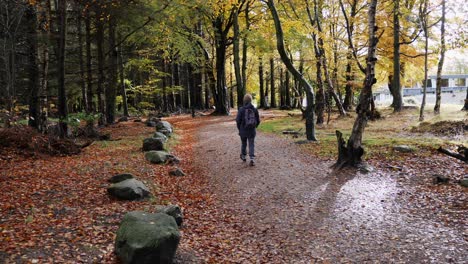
250 121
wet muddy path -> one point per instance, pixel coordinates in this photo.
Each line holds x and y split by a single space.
294 209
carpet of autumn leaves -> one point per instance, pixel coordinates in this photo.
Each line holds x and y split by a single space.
56 209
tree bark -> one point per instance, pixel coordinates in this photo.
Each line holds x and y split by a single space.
111 89
272 84
260 78
61 45
351 153
123 91
100 61
34 86
84 94
396 84
221 96
287 90
237 65
440 65
89 58
305 85
423 18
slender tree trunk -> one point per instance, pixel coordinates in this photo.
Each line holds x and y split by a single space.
309 112
34 86
349 93
84 94
245 48
62 95
423 103
111 89
123 91
100 61
287 90
320 106
221 96
237 64
440 65
423 18
396 84
164 86
260 78
281 89
89 58
272 84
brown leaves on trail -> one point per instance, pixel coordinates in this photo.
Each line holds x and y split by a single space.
56 209
415 173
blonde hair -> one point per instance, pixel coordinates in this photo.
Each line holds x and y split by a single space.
247 98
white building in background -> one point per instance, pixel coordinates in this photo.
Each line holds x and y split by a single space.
451 83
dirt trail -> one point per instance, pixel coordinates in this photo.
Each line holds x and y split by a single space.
294 209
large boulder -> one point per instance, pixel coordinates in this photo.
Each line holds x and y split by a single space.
120 177
157 157
153 144
130 189
146 238
160 136
164 127
172 210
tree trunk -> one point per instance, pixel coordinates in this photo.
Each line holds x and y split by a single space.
245 48
396 84
84 94
111 89
350 154
281 88
221 96
62 95
164 86
349 93
440 65
309 112
272 84
100 57
34 86
287 91
237 66
123 91
89 58
424 25
260 78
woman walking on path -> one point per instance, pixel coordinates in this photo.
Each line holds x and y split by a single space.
247 122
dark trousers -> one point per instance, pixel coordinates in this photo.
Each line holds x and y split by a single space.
251 141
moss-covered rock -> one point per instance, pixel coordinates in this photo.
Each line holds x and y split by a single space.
146 238
160 135
130 189
120 177
164 127
172 210
157 157
153 144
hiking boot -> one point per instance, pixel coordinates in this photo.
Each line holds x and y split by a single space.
242 157
252 163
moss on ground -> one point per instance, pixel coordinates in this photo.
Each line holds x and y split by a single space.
380 135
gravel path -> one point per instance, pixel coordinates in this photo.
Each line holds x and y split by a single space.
294 209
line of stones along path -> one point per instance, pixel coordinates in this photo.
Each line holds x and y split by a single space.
294 209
